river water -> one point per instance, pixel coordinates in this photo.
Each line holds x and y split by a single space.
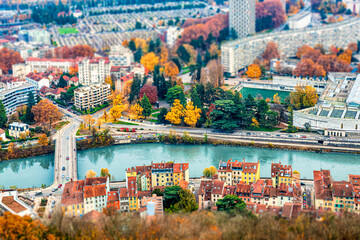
39 170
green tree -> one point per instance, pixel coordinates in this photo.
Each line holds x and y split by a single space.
132 45
161 118
271 119
183 54
210 93
135 88
146 105
224 115
151 46
62 83
29 115
195 98
176 92
138 54
186 203
231 204
262 108
158 192
3 118
171 196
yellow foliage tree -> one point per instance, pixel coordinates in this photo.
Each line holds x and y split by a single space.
303 97
90 174
149 61
171 70
139 42
136 111
99 122
210 171
88 120
254 71
176 113
22 136
116 111
43 140
191 114
276 98
255 123
164 54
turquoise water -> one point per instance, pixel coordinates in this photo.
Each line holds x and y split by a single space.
264 93
40 170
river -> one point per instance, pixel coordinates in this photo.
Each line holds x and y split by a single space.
40 170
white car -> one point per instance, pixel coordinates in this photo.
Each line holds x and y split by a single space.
63 176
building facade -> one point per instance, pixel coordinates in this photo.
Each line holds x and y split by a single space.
17 129
93 70
242 17
120 56
88 97
37 80
44 64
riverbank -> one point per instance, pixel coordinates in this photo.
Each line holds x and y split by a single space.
25 152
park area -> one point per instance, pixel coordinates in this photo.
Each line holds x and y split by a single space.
264 93
68 31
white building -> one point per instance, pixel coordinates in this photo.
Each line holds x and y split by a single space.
35 36
15 94
20 70
172 34
93 70
88 97
16 129
95 193
120 56
43 64
300 20
352 5
10 202
37 80
242 17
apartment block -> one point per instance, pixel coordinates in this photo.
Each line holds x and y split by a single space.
88 97
38 80
281 174
242 17
120 56
152 206
234 172
93 70
43 64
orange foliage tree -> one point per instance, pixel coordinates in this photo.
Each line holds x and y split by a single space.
308 68
269 14
352 47
271 51
171 70
253 71
46 112
74 52
149 61
8 58
303 49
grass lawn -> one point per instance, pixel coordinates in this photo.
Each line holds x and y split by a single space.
155 115
152 120
68 30
60 125
155 110
126 123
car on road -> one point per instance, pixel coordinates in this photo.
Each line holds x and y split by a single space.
67 158
38 193
63 176
67 178
63 168
54 189
303 136
60 185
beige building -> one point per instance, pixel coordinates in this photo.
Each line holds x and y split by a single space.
88 97
17 129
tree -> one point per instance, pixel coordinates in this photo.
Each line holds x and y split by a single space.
8 58
269 14
150 91
135 88
43 140
191 114
271 119
164 54
253 71
146 105
171 196
90 174
261 109
183 54
276 98
62 83
186 203
105 173
171 70
46 112
230 204
3 117
132 45
210 171
195 98
116 111
150 60
353 47
88 120
308 68
271 51
175 92
224 115
303 49
303 97
136 111
161 118
176 113
29 116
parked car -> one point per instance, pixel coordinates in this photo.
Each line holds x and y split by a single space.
63 176
63 168
60 185
67 178
54 189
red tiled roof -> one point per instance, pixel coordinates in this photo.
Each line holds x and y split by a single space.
127 77
218 187
74 79
94 191
343 189
95 180
277 169
229 190
2 131
58 91
34 59
291 210
73 193
124 193
354 179
132 186
250 167
115 69
322 184
243 189
2 41
113 196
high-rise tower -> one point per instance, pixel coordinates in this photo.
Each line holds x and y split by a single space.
242 17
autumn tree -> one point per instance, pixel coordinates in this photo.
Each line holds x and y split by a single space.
176 113
346 56
74 69
146 106
191 114
88 120
116 111
105 173
171 70
74 52
149 61
209 172
269 14
303 49
150 91
276 98
213 73
90 174
164 55
331 63
43 140
271 51
8 58
46 112
353 47
136 111
308 68
303 97
253 71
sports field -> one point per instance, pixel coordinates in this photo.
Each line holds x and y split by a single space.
68 30
264 93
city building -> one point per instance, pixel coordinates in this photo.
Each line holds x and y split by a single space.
242 17
2 135
120 56
153 206
88 97
17 129
72 199
15 94
20 70
300 20
38 80
44 64
35 36
233 172
322 187
352 5
172 35
238 54
11 202
113 200
93 70
281 174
